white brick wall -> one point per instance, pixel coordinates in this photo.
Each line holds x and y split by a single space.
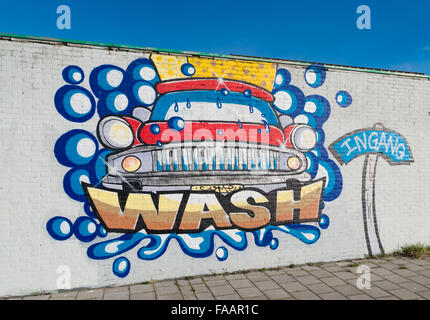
31 190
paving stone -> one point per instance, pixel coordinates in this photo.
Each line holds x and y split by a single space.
293 286
386 285
64 296
310 279
343 263
213 278
404 294
196 280
415 267
276 294
311 268
140 288
376 292
389 298
116 295
332 296
413 286
241 283
216 283
267 285
425 294
166 290
165 283
143 296
348 290
222 290
333 281
95 294
258 298
205 296
344 275
396 278
234 296
121 289
235 276
39 297
321 273
320 288
172 296
420 279
406 272
361 297
296 272
274 272
246 293
282 278
305 295
425 273
257 276
182 282
398 261
200 288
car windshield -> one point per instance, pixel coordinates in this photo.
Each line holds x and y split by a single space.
203 105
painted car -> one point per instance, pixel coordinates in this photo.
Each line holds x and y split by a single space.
205 133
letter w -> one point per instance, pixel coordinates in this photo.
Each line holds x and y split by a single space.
106 204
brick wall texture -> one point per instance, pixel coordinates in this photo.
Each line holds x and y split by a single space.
39 185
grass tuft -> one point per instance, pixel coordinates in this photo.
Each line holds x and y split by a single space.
418 250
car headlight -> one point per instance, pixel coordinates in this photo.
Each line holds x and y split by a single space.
115 132
131 164
303 137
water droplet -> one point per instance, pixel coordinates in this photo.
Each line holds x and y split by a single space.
159 143
188 104
176 106
259 130
251 108
218 103
263 115
240 123
224 91
266 125
247 93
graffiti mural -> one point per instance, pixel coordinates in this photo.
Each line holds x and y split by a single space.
189 148
372 143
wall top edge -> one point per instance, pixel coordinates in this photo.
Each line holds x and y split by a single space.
121 47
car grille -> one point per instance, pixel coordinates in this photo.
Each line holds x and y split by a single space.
213 159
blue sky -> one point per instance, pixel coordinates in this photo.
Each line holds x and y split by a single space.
319 31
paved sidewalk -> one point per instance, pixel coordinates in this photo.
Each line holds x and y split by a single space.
394 278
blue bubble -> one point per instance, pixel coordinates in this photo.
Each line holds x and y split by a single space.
224 91
73 74
274 243
117 101
188 69
121 267
105 78
247 93
98 169
72 183
60 228
75 148
85 229
143 69
144 93
159 143
324 221
282 78
315 75
176 123
101 231
343 99
154 128
289 100
221 253
74 103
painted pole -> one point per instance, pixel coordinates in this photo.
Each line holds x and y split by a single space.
373 143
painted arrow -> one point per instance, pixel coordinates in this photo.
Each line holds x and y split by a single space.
373 143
